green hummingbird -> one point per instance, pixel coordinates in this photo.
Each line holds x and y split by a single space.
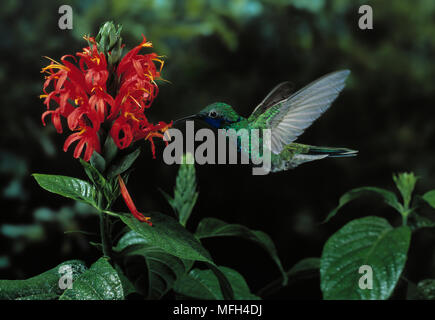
287 115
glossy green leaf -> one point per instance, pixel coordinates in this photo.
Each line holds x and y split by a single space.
389 197
123 164
224 284
429 197
68 187
41 287
204 285
212 227
127 285
168 235
185 195
372 242
100 282
161 269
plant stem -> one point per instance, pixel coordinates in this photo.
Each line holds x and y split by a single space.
105 235
405 219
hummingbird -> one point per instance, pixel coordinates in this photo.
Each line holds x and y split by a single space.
287 115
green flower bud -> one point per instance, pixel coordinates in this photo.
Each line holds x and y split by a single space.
110 42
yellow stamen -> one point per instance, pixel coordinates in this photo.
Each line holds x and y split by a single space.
98 87
147 44
55 66
140 107
52 60
161 63
96 59
131 115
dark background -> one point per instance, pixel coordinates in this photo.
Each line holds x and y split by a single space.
234 52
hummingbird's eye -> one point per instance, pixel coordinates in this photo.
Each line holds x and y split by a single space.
212 114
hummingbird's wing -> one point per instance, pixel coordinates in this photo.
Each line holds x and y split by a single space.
281 92
290 117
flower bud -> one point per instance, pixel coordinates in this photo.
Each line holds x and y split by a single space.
110 42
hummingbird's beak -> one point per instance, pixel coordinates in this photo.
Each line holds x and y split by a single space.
192 117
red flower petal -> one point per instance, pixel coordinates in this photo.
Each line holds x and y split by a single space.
129 202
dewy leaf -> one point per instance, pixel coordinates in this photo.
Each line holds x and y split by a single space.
370 246
185 195
168 235
68 187
429 197
162 269
212 227
123 164
389 197
203 284
41 287
100 282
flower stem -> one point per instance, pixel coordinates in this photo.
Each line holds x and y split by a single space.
105 235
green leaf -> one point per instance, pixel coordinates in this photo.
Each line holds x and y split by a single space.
41 287
305 269
185 195
307 264
161 269
168 235
123 164
417 221
98 162
127 285
389 197
99 182
405 182
429 197
204 285
109 150
370 241
224 283
93 174
212 227
100 282
68 187
426 289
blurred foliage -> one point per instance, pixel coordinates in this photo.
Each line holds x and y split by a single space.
232 51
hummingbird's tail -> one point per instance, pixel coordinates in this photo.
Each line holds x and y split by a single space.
332 152
295 154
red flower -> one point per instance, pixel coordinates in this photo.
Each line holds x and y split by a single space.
137 91
130 204
81 96
86 136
